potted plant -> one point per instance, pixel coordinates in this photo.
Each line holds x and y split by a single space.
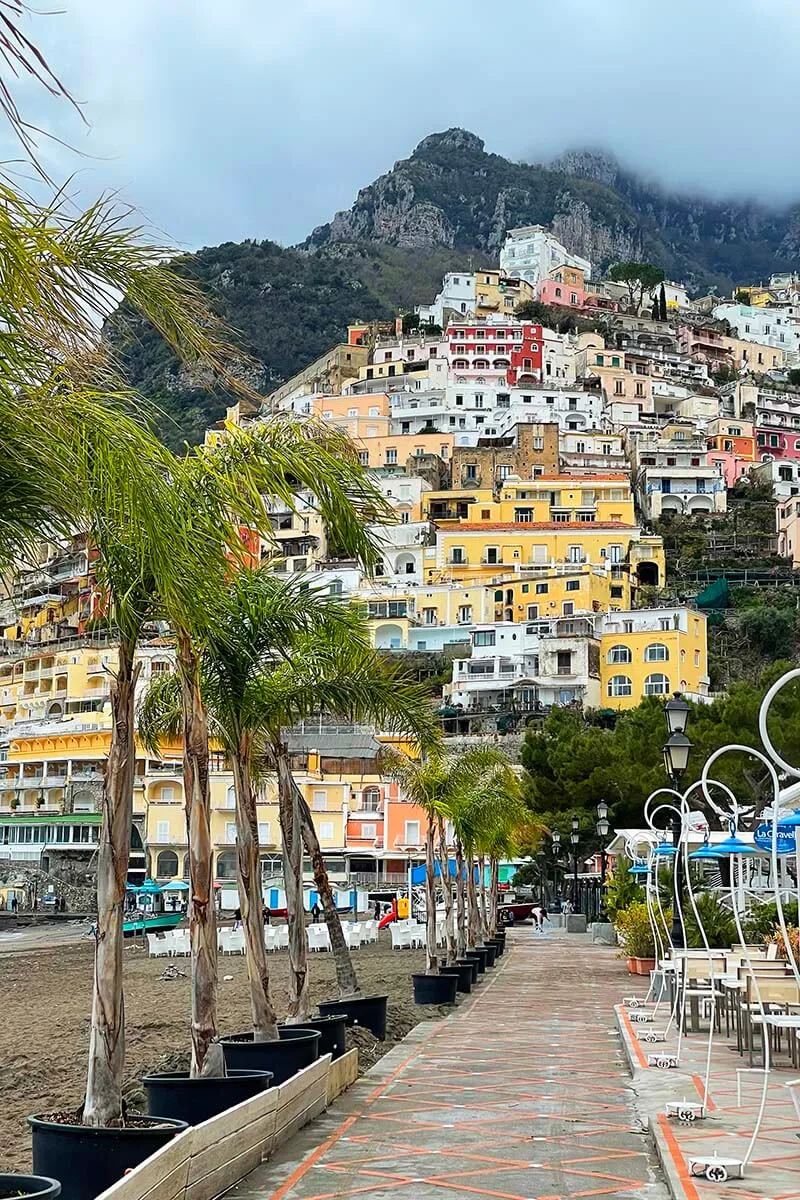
635 932
32 1187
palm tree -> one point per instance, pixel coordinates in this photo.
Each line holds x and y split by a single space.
506 820
438 784
279 652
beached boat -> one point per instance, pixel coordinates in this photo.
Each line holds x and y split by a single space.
150 922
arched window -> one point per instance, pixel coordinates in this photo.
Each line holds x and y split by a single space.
167 865
226 864
656 685
656 652
336 588
619 654
620 685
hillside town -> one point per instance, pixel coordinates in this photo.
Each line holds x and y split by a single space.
535 430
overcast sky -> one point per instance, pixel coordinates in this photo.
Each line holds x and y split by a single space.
225 119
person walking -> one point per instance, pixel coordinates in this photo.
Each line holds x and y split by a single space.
315 912
237 919
265 913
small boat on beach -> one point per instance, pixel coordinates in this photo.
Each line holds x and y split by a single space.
150 922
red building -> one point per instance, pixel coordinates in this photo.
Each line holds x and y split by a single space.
512 354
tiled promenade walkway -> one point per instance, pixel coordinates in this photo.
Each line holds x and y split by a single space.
522 1093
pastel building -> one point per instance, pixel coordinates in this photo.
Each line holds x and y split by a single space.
532 252
563 287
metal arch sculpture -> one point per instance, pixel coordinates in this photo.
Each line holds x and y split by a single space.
638 847
662 1059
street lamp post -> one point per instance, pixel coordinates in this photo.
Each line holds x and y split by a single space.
556 839
575 837
676 759
541 863
602 833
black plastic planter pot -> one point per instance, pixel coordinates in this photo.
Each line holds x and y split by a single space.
435 989
174 1094
491 953
480 957
498 947
89 1160
369 1011
32 1186
463 974
473 965
332 1035
297 1047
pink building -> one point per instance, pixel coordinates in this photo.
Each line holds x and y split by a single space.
563 287
789 530
729 464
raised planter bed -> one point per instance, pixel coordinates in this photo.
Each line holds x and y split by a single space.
435 989
463 974
296 1048
174 1094
89 1160
34 1187
369 1011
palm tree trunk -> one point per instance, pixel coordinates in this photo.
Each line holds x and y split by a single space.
494 893
103 1104
444 872
461 920
482 918
432 963
472 905
346 976
207 1058
299 1001
265 1027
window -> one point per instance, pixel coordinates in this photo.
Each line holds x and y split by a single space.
616 593
533 612
575 554
483 637
619 654
167 865
580 447
167 794
697 658
618 388
568 608
664 624
371 799
264 838
465 614
620 685
564 662
656 685
470 470
639 389
656 652
326 831
230 832
457 556
558 291
368 830
573 585
319 801
391 457
162 831
614 360
542 589
412 833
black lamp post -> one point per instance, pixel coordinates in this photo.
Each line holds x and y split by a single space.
602 833
575 837
676 760
541 863
556 839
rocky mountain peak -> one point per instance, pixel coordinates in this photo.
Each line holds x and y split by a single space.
598 165
450 139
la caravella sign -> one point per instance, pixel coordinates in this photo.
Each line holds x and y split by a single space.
786 839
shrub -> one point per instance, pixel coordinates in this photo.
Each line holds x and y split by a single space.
622 890
635 932
718 923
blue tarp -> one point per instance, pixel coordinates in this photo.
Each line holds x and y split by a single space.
418 873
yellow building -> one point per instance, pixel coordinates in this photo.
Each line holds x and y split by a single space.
498 293
653 652
396 450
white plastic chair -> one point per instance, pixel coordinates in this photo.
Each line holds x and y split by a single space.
318 937
401 937
370 931
158 947
269 938
353 937
181 945
417 935
233 941
281 937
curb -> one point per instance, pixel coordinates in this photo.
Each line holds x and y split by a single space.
648 1102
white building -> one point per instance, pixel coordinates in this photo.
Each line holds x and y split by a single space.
673 475
592 451
457 295
783 474
767 326
531 252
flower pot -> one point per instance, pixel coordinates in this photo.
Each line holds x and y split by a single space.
473 966
332 1035
32 1186
498 946
480 957
463 974
491 953
369 1011
642 966
435 989
89 1160
297 1047
174 1094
